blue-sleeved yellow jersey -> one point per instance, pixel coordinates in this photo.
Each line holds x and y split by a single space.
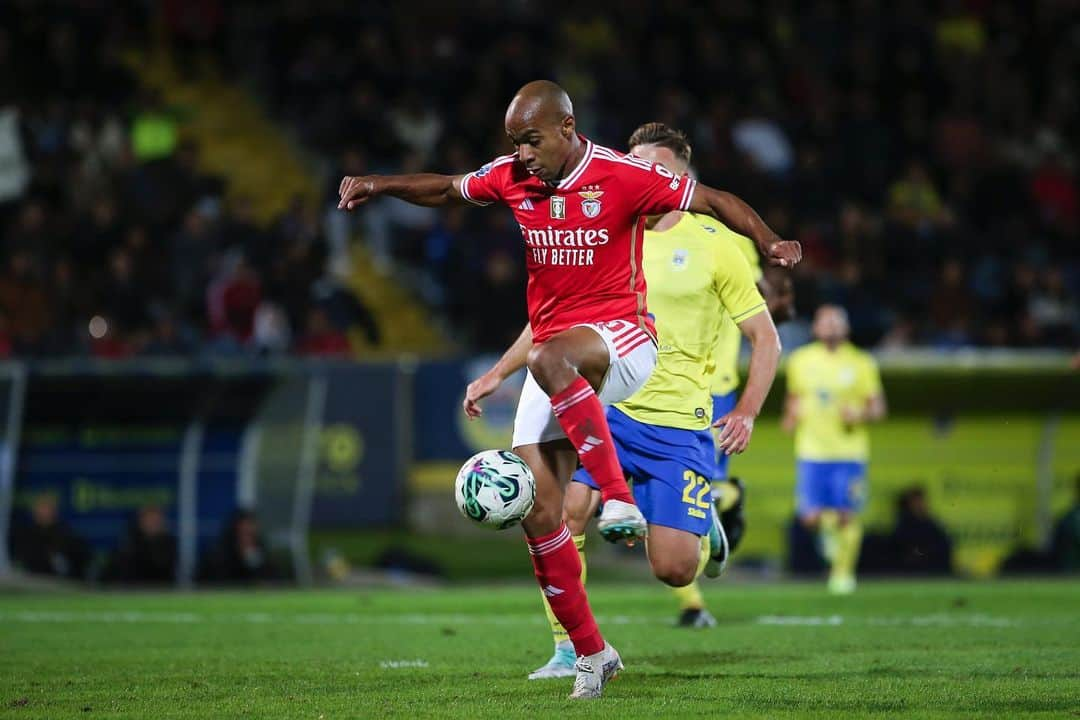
697 276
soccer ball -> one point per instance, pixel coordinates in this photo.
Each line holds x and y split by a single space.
495 488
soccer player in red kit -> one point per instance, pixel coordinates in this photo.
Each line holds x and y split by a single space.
581 209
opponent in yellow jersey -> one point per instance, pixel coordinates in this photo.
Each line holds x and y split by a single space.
834 390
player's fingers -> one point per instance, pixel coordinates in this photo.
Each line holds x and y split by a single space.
738 437
726 436
720 422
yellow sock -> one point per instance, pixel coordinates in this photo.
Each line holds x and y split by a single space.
690 596
829 527
558 632
848 544
727 493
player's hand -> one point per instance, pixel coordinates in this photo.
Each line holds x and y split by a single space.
735 430
479 389
851 417
355 191
785 253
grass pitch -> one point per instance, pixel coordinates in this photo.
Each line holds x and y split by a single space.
899 649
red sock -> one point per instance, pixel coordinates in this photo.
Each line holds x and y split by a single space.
558 570
582 419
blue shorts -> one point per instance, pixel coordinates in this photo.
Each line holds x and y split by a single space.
830 485
721 406
669 469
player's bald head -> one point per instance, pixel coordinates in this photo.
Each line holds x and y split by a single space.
540 123
831 324
539 103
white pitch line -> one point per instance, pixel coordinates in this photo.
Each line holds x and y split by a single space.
338 619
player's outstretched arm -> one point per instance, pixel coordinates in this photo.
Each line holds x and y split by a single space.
426 189
740 217
738 424
512 360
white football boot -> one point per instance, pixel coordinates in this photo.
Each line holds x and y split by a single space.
621 521
593 672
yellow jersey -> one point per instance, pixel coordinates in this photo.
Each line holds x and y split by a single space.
696 278
825 383
726 352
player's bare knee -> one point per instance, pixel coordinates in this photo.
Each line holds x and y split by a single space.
675 572
549 366
545 517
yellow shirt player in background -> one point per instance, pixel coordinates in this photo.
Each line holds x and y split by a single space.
662 433
834 391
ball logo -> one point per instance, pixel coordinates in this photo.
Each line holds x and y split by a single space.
590 203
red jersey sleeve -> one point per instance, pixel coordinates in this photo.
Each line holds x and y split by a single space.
653 189
485 186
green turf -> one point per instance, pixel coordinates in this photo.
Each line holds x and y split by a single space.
962 650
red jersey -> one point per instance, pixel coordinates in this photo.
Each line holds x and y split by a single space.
583 237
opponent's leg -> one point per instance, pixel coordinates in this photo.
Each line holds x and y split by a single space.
842 534
579 506
674 555
692 610
558 568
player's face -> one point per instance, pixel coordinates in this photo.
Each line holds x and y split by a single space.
830 325
661 156
542 147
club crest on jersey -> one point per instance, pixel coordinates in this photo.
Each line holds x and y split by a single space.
680 259
558 207
590 202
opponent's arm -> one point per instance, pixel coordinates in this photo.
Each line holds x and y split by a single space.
764 358
426 189
741 218
512 360
791 413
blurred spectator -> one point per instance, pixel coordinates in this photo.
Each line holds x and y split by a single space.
232 299
167 338
951 307
921 544
1065 545
320 338
915 203
47 545
148 552
240 554
25 303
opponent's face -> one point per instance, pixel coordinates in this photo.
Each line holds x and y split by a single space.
830 325
544 141
661 156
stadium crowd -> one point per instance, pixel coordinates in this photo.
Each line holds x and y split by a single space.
920 151
112 242
924 154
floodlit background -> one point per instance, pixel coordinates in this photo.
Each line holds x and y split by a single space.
203 358
230 415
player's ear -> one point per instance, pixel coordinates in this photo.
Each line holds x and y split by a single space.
568 127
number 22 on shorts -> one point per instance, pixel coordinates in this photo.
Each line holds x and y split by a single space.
700 501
